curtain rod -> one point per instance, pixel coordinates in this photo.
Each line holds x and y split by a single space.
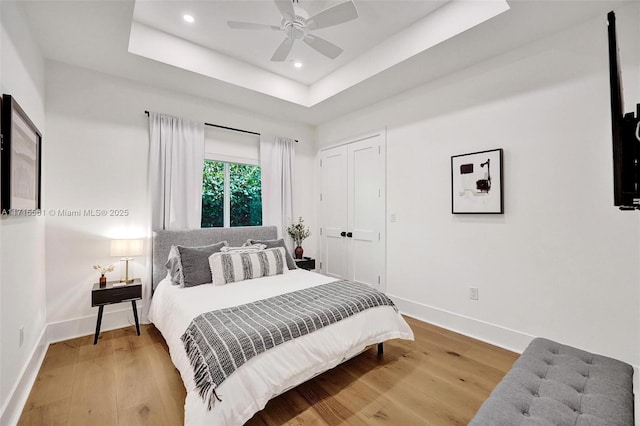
229 128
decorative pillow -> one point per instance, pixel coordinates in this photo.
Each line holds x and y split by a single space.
233 267
244 248
291 264
194 264
173 265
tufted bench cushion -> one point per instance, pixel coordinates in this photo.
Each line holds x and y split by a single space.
554 384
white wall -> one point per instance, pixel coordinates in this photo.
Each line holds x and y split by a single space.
97 159
562 261
22 256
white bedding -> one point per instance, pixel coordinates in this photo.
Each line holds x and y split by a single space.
269 374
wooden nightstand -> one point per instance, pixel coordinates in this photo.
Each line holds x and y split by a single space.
306 263
116 294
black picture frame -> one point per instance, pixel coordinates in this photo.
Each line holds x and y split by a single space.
477 183
21 161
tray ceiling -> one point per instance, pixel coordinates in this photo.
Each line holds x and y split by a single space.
384 34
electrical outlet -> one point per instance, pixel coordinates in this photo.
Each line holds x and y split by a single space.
21 336
392 217
473 293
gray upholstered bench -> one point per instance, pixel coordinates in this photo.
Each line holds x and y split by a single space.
554 384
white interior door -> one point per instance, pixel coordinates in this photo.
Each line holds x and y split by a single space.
365 174
353 211
333 201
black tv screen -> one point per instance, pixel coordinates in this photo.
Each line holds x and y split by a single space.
625 133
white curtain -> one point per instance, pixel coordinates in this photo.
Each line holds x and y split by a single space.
277 159
176 160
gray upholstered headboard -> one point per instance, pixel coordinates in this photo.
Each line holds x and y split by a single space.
163 240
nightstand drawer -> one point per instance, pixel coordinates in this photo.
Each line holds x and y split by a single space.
306 263
116 295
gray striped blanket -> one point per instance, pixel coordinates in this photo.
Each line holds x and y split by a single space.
219 342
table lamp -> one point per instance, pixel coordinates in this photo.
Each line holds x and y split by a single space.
124 249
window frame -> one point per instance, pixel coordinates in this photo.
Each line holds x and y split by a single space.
226 160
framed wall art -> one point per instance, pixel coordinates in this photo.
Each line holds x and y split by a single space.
476 182
20 165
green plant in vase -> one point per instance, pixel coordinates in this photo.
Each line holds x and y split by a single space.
298 232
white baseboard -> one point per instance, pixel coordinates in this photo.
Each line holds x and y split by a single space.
503 337
506 338
78 327
51 333
18 397
64 330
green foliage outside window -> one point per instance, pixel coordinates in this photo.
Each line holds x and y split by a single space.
212 194
245 194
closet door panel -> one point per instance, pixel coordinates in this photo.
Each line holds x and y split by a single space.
333 211
366 207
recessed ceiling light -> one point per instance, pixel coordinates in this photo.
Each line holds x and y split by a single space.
297 64
189 18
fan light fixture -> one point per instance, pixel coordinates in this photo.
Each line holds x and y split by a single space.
298 25
297 64
189 18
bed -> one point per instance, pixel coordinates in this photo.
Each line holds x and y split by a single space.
270 373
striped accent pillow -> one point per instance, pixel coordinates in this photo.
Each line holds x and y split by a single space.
233 267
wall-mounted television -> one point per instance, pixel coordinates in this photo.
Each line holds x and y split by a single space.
625 131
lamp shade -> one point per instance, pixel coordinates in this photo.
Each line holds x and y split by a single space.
126 248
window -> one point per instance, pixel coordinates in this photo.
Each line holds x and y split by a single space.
231 194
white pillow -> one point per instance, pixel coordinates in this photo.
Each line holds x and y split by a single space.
243 249
237 266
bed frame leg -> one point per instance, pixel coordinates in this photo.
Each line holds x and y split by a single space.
380 349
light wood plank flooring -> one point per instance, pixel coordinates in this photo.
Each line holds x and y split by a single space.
440 379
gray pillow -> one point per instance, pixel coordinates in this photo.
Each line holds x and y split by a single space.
291 264
194 264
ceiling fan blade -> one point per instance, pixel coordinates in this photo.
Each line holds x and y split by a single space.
283 50
236 25
286 8
335 15
323 46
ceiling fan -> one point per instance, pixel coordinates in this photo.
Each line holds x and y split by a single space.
297 25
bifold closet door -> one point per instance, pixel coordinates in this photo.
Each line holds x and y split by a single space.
365 211
353 211
333 201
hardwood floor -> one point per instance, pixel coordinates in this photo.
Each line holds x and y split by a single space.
441 378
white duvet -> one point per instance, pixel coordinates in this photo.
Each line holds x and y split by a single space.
271 373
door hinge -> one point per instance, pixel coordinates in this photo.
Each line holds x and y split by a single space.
320 231
320 163
320 196
379 149
379 193
320 265
379 236
378 279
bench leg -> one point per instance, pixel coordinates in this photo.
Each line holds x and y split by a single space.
380 349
